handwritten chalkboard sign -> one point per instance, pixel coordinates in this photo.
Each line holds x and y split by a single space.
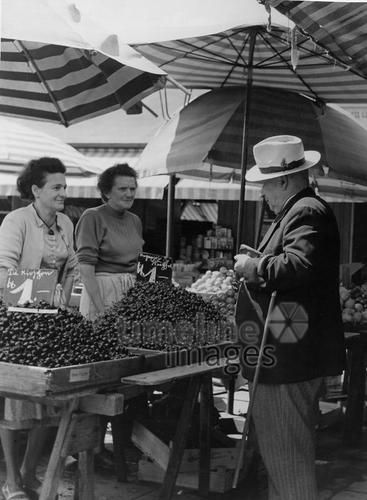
30 285
153 267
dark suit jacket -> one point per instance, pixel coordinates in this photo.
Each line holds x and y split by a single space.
301 262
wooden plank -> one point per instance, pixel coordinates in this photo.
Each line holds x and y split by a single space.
29 424
157 360
33 381
54 467
83 434
102 373
158 451
120 438
205 426
169 374
180 439
84 488
150 444
220 479
23 380
103 404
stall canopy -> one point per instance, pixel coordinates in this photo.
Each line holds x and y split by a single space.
58 66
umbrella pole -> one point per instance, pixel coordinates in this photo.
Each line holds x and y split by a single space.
260 224
244 145
170 215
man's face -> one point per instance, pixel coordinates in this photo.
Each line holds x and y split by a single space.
273 192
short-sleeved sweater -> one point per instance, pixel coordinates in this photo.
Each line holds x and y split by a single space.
109 240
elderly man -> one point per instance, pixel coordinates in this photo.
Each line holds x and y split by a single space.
300 261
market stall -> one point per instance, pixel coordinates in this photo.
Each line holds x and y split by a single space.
57 359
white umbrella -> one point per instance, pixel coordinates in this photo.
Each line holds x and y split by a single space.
58 66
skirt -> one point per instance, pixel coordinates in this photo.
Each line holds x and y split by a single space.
112 286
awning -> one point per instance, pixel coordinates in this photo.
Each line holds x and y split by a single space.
107 155
85 187
200 212
192 189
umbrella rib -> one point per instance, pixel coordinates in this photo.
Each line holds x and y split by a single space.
20 46
87 54
215 57
239 57
292 70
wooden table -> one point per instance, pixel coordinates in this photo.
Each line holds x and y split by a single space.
76 391
199 375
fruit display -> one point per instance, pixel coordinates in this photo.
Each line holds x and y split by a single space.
55 340
217 288
354 304
164 317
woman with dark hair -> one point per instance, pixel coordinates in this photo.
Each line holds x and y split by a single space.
109 240
33 237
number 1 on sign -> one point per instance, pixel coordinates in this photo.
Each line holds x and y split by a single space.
26 288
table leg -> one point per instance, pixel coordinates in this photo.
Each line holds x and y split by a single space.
180 439
205 414
54 467
356 393
84 487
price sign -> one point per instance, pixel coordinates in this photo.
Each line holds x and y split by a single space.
152 267
30 285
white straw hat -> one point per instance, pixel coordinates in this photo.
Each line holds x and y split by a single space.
280 155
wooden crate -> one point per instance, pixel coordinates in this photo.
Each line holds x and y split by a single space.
34 381
220 479
154 463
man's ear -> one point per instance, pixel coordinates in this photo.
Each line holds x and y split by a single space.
283 182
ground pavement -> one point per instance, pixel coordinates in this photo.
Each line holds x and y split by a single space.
341 470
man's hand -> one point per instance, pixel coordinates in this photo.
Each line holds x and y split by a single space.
240 264
246 267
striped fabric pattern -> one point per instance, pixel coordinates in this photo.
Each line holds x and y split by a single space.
223 59
19 144
285 418
65 84
209 132
201 212
340 27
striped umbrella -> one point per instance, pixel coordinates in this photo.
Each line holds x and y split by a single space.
258 55
340 27
203 140
19 144
60 67
276 58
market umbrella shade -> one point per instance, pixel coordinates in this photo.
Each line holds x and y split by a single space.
340 27
56 67
208 132
277 58
20 143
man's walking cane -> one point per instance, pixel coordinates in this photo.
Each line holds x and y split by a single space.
253 392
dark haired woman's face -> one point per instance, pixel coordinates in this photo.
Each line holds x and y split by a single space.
122 195
52 194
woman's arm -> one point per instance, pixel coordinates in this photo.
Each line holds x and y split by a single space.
88 277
